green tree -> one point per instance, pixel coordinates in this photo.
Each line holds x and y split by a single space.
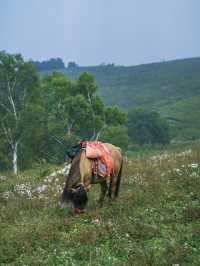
55 89
86 85
18 88
97 117
78 114
117 135
147 127
115 116
30 149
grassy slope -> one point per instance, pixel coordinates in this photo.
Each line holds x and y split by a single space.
154 222
184 117
166 86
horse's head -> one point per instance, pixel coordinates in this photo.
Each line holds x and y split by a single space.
75 192
77 198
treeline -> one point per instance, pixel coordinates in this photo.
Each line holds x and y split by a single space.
51 64
41 116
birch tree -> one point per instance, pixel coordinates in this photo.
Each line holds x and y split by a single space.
67 110
87 87
17 82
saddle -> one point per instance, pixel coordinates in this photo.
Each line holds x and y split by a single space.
99 153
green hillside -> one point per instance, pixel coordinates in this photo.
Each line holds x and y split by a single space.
172 88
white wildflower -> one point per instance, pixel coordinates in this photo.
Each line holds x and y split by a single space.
194 174
178 171
95 221
59 189
49 179
7 194
194 165
185 153
41 188
3 178
23 190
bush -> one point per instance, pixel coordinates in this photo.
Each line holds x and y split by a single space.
146 127
116 135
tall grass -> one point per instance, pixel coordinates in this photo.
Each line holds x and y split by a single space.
155 221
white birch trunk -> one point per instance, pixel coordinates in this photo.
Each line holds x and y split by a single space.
99 132
69 129
15 157
15 143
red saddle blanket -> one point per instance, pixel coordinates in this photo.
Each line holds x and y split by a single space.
98 151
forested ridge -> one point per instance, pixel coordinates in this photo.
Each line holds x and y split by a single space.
170 87
43 112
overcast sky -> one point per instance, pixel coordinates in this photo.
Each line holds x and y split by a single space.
89 32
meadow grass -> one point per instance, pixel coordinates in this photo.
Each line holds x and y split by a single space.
155 221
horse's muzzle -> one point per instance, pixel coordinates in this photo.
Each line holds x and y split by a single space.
79 211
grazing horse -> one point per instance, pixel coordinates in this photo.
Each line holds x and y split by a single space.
81 177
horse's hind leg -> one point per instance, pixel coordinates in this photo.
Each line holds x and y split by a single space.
104 188
112 187
115 181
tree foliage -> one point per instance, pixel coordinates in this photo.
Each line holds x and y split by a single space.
117 135
18 91
146 127
40 117
115 116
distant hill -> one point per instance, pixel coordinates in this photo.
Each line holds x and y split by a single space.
172 88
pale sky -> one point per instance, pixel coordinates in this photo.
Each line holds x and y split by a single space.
89 32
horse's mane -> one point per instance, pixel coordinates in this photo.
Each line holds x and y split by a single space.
72 151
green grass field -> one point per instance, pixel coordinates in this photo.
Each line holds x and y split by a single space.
155 221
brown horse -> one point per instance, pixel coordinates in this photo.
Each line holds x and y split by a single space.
81 177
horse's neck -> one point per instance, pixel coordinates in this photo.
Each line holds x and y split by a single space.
74 176
85 169
80 171
82 165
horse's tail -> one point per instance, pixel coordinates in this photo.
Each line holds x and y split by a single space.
119 179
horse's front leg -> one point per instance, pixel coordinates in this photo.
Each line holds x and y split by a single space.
104 188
